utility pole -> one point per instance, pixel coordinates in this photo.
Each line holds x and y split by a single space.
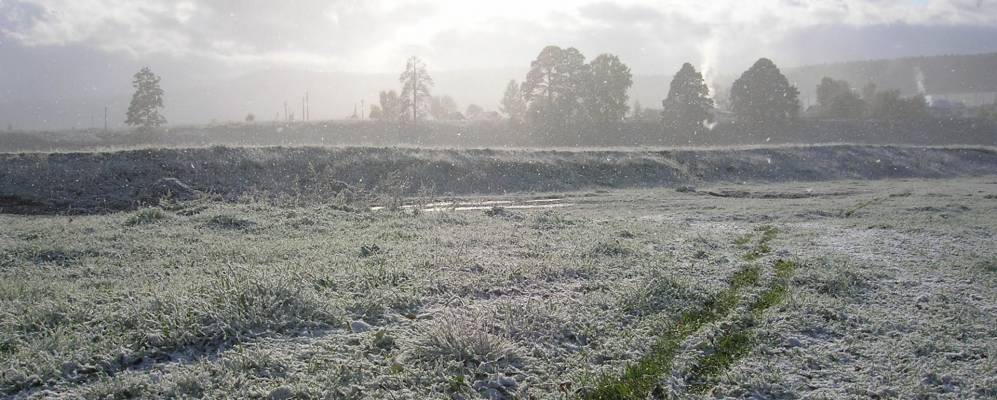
105 118
308 108
415 88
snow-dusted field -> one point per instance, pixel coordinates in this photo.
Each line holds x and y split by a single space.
843 289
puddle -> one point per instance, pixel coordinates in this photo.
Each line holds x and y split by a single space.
543 201
484 205
513 207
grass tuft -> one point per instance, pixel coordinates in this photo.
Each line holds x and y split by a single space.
145 216
657 295
610 249
225 221
989 265
455 339
549 220
369 250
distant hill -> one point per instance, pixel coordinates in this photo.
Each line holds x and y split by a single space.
936 75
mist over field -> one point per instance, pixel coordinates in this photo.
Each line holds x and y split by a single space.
443 199
65 60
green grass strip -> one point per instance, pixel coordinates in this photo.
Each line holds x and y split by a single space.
853 210
762 247
640 378
736 340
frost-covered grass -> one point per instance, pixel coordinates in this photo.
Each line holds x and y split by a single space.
622 295
639 378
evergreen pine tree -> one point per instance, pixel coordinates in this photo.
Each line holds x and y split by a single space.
688 105
763 94
143 111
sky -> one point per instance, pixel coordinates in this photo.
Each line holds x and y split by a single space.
79 54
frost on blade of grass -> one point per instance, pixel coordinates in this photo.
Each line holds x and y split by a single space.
858 207
610 249
537 320
369 250
225 221
657 295
742 239
735 340
988 266
502 213
62 333
734 343
73 324
232 306
776 292
256 362
547 220
145 216
841 280
640 378
127 387
761 248
40 255
457 339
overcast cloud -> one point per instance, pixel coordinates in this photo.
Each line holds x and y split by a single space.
373 35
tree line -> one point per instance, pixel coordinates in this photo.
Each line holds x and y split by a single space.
837 99
566 99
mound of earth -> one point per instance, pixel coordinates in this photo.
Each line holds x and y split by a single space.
166 189
111 181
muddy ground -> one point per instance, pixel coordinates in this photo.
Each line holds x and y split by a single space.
85 183
835 289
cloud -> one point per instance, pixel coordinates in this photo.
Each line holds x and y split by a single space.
376 35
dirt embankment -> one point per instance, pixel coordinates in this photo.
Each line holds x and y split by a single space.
99 182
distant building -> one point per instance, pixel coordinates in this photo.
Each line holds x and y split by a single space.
971 99
968 79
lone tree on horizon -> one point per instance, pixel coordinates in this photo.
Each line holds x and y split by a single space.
143 111
688 105
415 88
763 94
